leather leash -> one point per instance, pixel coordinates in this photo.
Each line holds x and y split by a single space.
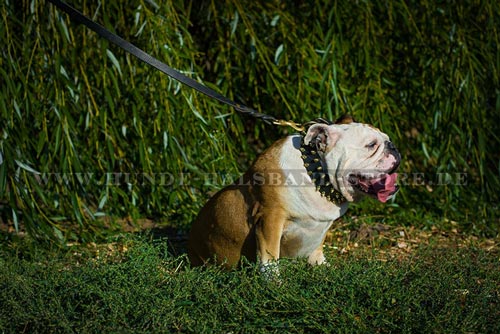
148 59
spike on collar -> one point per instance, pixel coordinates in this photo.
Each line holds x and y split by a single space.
317 172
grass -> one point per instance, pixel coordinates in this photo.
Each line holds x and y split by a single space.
136 285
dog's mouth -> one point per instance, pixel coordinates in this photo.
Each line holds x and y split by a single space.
383 186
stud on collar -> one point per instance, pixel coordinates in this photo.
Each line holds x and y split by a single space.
314 167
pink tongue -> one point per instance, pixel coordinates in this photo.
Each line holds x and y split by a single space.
384 187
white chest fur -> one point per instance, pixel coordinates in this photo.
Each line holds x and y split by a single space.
310 214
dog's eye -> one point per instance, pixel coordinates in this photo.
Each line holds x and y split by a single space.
371 145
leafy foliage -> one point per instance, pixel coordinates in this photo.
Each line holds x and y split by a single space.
88 131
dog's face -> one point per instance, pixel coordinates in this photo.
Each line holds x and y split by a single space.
361 160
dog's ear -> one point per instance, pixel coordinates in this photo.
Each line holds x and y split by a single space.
322 136
345 119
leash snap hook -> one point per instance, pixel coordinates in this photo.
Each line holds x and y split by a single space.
292 124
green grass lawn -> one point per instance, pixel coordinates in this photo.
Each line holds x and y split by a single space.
448 284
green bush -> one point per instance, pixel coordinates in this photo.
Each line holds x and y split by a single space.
87 130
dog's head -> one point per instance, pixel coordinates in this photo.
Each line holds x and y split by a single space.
360 159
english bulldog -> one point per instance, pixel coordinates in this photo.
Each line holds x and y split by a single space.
283 206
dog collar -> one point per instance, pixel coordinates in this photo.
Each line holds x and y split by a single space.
317 172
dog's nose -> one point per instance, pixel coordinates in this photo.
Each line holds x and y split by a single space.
391 149
390 146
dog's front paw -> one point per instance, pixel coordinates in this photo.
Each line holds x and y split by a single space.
317 258
270 271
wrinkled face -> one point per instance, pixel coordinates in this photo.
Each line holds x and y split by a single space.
361 160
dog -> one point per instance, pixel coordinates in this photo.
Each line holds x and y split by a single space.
283 206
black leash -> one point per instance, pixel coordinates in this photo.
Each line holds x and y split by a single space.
135 51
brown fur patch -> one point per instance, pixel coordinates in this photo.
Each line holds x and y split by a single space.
345 119
242 220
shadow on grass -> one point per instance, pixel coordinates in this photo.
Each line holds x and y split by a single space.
176 239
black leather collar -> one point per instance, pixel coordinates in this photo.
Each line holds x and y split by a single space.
316 169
